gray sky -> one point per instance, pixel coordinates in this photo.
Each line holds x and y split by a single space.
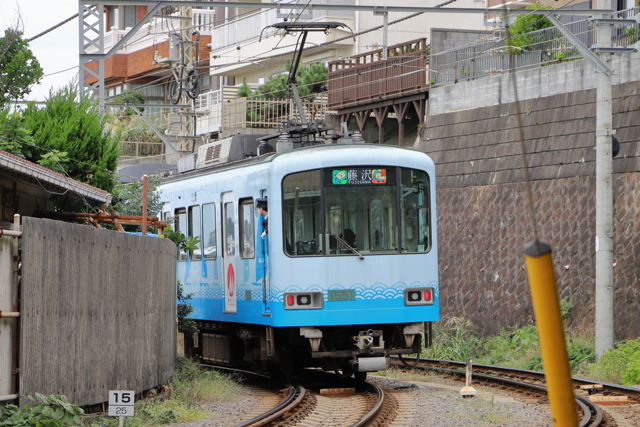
57 50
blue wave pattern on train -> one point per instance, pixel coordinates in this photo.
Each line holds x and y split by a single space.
347 273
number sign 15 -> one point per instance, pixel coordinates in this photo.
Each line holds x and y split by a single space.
121 403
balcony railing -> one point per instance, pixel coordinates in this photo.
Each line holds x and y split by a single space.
248 27
545 47
218 113
202 20
368 78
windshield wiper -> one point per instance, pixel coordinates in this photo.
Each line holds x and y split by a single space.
347 245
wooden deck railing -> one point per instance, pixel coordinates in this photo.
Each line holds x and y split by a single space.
367 77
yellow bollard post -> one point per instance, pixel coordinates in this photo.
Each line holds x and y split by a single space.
546 306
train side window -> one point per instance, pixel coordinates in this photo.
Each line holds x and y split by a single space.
180 223
229 230
209 231
415 212
247 229
302 212
195 230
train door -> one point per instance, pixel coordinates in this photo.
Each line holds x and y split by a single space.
230 245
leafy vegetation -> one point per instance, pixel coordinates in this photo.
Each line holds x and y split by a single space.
523 26
19 68
47 411
191 387
127 199
618 365
185 325
71 126
456 339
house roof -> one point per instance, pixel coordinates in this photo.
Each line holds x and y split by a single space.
49 180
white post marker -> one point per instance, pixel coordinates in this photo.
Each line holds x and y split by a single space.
467 390
121 404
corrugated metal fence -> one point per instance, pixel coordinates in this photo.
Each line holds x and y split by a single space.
98 311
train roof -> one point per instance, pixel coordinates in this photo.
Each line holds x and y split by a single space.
269 157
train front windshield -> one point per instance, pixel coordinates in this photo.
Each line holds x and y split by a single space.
350 210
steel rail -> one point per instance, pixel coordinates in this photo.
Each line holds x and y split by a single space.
375 410
589 409
616 388
296 394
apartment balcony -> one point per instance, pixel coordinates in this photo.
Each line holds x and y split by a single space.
156 31
222 111
237 39
368 78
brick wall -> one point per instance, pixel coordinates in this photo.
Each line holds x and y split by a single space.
484 221
128 65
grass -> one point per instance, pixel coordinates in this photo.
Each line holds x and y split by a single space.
456 339
190 387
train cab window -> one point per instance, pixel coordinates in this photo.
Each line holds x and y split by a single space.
414 208
209 231
302 213
229 230
247 229
194 230
356 210
180 223
360 210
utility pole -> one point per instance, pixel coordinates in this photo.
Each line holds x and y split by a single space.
604 195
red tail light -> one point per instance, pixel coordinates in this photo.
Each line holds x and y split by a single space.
290 300
427 295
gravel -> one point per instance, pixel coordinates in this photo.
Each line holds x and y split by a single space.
436 404
440 404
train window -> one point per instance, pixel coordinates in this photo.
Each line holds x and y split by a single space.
360 210
414 208
302 213
209 231
194 230
247 229
180 223
229 230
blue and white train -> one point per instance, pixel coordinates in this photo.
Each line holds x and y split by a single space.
346 273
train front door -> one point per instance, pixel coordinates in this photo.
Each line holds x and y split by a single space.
229 252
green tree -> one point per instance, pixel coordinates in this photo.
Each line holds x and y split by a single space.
15 138
73 125
19 68
524 25
135 97
127 198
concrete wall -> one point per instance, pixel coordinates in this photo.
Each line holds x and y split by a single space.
531 84
483 218
97 311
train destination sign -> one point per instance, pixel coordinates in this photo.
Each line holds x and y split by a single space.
362 176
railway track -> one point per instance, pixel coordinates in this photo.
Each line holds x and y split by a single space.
296 405
532 382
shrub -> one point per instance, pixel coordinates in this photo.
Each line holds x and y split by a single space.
618 365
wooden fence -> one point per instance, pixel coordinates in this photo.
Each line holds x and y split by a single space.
97 313
368 78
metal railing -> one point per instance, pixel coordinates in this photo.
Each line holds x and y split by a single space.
202 20
542 48
140 149
217 113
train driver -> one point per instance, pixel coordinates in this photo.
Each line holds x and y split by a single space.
263 209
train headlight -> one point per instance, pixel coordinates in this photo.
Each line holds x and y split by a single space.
419 296
303 300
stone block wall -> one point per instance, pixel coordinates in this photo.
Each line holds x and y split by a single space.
484 218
